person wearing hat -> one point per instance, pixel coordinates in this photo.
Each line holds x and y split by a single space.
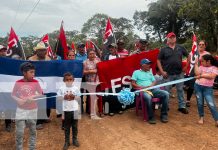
40 53
3 51
169 63
81 54
120 49
112 52
142 46
113 104
144 78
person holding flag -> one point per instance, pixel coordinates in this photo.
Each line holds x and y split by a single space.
197 52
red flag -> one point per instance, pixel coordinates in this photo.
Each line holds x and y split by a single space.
193 55
45 39
109 35
73 46
14 47
120 76
61 45
89 45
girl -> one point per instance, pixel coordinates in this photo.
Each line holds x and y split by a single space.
205 75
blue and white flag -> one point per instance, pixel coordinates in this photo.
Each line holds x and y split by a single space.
48 73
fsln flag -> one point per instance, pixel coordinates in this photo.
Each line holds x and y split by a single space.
109 36
14 48
61 45
193 55
45 39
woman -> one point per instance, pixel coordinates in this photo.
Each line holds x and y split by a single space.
90 72
205 75
190 84
71 55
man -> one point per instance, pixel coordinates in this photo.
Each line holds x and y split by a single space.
81 54
40 52
143 45
112 52
3 51
144 78
169 63
120 49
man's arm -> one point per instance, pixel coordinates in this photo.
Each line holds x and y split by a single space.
163 73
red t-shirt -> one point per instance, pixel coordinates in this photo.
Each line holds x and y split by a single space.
23 89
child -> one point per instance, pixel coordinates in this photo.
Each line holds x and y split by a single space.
205 75
24 93
70 107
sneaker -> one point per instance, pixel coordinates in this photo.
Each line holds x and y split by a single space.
188 104
183 110
8 128
152 121
39 127
95 117
111 114
164 119
120 112
76 143
66 146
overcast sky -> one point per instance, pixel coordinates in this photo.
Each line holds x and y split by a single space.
48 14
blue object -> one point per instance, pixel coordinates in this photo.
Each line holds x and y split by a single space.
126 97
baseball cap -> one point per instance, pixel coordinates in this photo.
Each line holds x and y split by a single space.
112 45
143 41
145 61
170 34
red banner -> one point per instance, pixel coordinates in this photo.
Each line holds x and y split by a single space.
117 72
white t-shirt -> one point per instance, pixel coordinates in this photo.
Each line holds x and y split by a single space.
69 105
112 57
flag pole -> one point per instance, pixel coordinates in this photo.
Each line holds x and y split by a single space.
22 49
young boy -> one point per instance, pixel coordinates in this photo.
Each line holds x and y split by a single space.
67 93
24 93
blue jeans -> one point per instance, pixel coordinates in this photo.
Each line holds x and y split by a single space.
164 99
179 88
205 92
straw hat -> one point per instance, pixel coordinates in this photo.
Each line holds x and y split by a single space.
39 46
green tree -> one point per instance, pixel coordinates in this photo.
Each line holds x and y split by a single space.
161 18
204 17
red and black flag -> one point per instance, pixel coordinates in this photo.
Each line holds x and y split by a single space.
45 39
109 36
14 48
61 45
193 55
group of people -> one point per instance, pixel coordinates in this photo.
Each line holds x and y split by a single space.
169 64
